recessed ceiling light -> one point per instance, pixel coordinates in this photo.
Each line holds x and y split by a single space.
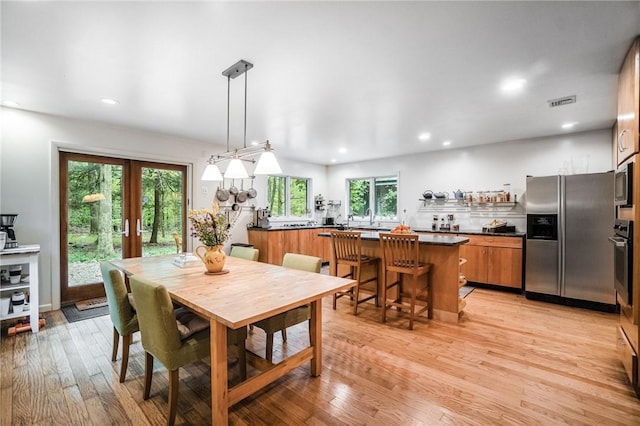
513 85
342 150
10 104
569 125
424 136
446 143
109 101
333 160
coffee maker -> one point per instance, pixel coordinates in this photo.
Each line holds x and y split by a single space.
6 225
261 218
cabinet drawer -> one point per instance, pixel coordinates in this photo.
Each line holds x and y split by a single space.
491 241
628 357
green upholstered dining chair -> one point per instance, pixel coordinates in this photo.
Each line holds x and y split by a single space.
245 253
123 316
294 316
176 338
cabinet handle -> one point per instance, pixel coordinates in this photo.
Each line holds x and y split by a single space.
126 228
621 145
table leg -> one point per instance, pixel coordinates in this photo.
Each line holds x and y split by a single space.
219 391
315 336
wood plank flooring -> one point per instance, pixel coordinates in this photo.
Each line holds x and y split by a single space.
510 361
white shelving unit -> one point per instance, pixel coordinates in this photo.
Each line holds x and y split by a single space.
23 255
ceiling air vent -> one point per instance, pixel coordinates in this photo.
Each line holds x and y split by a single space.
562 101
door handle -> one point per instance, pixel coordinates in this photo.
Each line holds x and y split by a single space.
139 230
618 242
621 146
126 228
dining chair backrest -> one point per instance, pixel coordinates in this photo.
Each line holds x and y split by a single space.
302 262
245 253
120 310
400 252
158 327
347 246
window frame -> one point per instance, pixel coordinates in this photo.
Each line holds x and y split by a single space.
372 196
287 196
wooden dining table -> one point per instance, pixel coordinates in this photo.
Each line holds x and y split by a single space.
249 292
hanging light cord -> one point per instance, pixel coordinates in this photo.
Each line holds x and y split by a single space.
245 105
228 107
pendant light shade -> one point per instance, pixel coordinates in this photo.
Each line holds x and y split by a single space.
267 165
211 173
235 170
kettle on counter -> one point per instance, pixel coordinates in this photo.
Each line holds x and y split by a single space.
458 195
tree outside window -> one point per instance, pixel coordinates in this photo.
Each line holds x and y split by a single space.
379 192
288 196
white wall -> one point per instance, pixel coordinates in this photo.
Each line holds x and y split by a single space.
29 176
484 167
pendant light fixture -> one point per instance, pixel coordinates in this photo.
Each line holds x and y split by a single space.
267 163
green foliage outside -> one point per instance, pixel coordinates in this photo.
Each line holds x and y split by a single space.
359 190
385 196
95 211
298 198
277 196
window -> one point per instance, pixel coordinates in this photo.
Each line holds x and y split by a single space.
379 192
288 196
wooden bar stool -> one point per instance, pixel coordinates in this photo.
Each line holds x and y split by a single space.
400 253
347 249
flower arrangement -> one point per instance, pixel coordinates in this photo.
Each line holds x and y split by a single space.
211 227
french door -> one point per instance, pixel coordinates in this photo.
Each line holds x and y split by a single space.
114 208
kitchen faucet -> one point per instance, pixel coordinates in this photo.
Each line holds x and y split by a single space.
370 213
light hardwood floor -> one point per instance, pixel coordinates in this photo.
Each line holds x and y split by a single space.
510 361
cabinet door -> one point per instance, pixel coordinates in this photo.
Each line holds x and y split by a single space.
476 267
326 246
290 243
276 247
627 139
260 240
309 242
504 266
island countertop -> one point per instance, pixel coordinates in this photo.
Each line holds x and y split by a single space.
439 240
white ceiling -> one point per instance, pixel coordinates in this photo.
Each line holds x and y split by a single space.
365 76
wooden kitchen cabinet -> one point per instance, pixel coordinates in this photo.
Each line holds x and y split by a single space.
274 244
628 125
493 260
310 243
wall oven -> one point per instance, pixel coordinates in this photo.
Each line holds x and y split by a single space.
623 259
623 185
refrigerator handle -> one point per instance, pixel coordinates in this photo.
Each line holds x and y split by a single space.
561 230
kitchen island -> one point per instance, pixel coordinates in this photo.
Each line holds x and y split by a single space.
443 251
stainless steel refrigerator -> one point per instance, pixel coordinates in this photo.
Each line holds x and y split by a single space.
569 221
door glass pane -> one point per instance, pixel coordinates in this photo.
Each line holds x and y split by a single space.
94 219
162 212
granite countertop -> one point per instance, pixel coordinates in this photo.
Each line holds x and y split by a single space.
386 229
474 232
438 240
